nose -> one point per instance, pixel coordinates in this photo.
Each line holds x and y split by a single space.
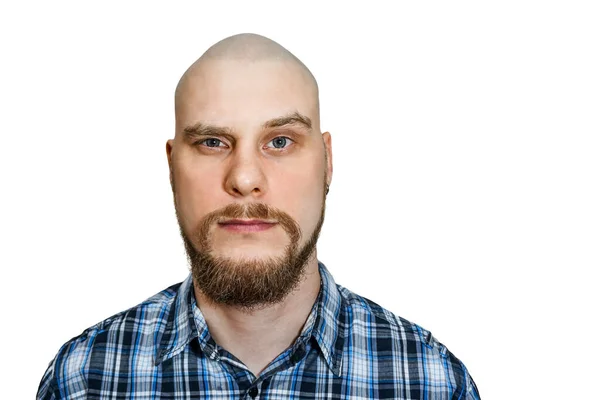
245 176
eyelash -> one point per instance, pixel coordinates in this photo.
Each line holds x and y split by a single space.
201 142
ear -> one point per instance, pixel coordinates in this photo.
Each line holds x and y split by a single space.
169 148
329 155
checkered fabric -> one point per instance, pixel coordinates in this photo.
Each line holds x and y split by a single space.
349 348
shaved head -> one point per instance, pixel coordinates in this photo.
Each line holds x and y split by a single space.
250 47
244 49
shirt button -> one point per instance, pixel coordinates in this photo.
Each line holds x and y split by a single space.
253 392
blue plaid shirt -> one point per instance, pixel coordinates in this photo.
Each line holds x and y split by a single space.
349 347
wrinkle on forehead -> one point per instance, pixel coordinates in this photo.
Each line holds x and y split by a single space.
248 47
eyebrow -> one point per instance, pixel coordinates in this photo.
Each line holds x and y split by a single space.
200 129
291 119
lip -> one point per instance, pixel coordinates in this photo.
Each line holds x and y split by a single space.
246 222
245 225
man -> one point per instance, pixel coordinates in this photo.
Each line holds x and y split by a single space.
259 315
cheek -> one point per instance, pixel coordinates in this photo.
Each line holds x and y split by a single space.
194 193
303 196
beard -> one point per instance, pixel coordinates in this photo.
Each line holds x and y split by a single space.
252 283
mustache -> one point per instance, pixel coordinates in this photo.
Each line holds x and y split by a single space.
252 211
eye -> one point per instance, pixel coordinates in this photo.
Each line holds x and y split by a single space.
280 142
211 142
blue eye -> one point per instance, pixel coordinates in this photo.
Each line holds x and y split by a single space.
212 142
279 142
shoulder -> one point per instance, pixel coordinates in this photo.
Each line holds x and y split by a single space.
391 339
147 314
143 318
365 313
137 327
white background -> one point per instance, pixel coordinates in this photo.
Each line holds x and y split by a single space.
466 171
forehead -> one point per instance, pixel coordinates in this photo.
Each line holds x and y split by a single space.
242 94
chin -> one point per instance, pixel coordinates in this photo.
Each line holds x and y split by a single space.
263 249
248 255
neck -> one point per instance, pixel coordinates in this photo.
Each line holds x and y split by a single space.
256 337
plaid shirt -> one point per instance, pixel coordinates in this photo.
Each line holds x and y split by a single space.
349 347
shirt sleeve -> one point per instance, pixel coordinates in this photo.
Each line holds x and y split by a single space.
472 393
47 389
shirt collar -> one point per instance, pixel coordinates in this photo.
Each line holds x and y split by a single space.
326 323
330 325
179 328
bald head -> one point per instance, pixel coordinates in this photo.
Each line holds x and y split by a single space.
250 47
243 55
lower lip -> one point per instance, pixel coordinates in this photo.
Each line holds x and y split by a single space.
247 227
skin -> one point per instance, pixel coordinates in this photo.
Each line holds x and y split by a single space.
239 84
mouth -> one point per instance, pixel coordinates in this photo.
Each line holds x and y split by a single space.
247 225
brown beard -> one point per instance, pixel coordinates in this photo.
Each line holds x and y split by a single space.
255 283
